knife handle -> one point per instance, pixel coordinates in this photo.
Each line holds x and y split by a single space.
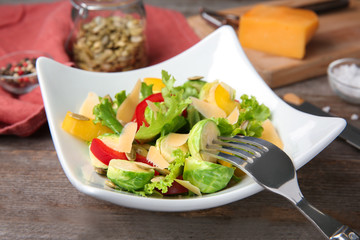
345 233
293 99
327 6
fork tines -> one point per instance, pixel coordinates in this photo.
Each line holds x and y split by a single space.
238 150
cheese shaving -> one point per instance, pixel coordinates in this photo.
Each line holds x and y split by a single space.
156 158
211 97
153 107
189 186
127 109
177 139
127 137
157 179
233 116
88 105
208 110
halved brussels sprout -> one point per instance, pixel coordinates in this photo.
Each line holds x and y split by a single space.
166 147
129 175
202 134
207 176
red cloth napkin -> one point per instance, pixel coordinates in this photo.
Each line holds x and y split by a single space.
45 27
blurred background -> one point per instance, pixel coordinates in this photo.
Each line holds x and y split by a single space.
186 7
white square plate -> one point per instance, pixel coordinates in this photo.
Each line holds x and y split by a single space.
219 56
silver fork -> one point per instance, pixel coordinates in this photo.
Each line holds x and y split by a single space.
273 169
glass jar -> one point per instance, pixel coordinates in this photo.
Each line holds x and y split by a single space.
108 35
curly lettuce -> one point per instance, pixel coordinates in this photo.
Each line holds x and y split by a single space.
169 114
175 168
252 115
106 115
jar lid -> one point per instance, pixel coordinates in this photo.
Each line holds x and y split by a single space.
101 4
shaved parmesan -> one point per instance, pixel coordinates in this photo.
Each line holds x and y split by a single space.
177 139
127 109
208 110
233 116
157 179
147 167
127 137
211 97
156 158
153 107
128 165
88 105
122 143
143 165
189 186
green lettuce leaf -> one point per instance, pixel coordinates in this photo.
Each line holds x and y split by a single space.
106 115
225 128
119 98
193 116
171 108
192 88
146 90
252 110
173 126
251 117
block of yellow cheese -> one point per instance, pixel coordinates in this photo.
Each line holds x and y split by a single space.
278 30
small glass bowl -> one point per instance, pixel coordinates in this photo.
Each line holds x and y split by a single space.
344 78
23 63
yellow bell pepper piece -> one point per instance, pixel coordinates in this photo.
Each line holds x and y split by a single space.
223 99
157 84
82 128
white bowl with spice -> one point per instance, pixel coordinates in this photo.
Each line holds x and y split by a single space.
344 78
18 71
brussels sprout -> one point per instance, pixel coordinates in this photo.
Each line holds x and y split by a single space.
207 176
202 134
205 90
129 175
166 146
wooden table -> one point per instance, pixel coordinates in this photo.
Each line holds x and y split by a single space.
38 202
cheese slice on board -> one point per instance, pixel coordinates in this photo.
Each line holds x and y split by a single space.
278 30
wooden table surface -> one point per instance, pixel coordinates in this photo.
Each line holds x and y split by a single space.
38 202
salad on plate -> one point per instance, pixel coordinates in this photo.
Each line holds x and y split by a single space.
150 141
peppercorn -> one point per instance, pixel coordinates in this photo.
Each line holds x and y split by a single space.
16 70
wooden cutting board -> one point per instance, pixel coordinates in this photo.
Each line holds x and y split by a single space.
338 36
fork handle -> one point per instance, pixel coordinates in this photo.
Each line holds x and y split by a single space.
331 228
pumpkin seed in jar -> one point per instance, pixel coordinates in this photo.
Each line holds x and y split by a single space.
110 44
